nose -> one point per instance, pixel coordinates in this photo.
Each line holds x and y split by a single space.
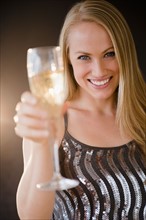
97 68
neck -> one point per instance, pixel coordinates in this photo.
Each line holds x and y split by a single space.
88 103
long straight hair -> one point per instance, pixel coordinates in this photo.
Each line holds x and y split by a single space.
131 94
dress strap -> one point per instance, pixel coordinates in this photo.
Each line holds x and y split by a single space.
65 121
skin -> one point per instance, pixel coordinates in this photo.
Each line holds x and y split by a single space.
93 59
97 73
96 70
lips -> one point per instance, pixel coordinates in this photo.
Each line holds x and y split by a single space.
100 82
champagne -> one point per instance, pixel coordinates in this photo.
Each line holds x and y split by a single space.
49 88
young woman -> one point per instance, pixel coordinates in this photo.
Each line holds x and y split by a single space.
103 142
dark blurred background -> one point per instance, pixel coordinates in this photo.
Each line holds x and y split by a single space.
30 23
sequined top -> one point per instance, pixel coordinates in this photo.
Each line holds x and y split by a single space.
112 182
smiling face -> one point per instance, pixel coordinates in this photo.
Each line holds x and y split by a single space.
93 60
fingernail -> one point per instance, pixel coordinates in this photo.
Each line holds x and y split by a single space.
17 107
15 118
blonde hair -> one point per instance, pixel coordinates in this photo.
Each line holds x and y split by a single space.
131 96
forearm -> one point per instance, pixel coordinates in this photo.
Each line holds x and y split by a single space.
34 125
33 203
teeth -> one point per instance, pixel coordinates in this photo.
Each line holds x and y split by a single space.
100 83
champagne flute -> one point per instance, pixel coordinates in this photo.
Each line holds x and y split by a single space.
46 79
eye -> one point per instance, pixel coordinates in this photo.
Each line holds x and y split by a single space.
83 57
110 54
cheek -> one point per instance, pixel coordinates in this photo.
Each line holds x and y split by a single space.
79 71
117 68
114 67
116 73
80 67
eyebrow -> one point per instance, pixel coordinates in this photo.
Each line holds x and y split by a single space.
83 52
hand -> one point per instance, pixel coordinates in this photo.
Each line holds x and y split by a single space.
31 119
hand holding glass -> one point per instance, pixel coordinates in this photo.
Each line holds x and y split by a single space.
46 79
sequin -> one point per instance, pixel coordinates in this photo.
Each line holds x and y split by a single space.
112 182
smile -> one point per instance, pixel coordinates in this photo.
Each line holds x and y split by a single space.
99 83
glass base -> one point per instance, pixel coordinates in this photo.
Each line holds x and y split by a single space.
58 183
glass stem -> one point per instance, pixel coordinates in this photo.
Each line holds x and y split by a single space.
56 157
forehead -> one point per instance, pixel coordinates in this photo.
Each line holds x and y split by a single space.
88 34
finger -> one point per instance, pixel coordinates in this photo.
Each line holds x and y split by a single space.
28 97
31 111
15 118
31 122
32 134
